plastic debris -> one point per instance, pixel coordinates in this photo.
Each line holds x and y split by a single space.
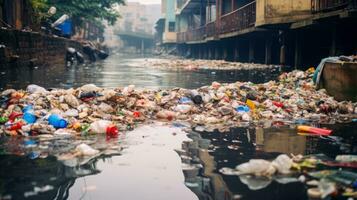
260 167
85 150
292 97
313 130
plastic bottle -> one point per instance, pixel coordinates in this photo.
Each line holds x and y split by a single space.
57 121
242 109
196 97
29 115
104 126
185 100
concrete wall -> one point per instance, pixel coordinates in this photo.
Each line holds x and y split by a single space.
169 37
170 16
181 23
33 49
281 11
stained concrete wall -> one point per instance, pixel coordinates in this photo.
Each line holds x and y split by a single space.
281 11
29 48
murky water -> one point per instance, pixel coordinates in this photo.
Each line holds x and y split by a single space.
239 145
119 71
35 173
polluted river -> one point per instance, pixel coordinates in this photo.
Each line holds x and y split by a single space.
185 151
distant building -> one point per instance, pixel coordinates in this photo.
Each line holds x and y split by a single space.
166 25
89 31
138 18
288 32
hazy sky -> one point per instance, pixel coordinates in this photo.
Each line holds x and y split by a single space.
146 1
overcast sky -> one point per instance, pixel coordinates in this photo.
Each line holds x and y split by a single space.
146 1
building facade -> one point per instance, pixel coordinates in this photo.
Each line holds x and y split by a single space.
290 32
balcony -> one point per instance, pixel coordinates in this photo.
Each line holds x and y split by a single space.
197 34
330 5
239 19
211 29
181 37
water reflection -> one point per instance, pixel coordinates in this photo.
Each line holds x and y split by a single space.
239 145
118 71
47 178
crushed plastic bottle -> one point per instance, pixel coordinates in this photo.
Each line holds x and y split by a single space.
260 167
86 150
57 121
35 89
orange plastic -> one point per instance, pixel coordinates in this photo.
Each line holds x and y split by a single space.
314 130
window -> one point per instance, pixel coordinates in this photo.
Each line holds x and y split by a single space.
171 26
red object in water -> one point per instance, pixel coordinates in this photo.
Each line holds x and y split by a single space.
112 131
317 131
14 115
16 126
136 114
278 104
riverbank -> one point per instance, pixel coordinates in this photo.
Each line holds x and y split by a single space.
32 49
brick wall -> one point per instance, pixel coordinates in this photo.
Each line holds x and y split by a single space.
26 48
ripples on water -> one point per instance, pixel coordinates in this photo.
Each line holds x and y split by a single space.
119 71
239 145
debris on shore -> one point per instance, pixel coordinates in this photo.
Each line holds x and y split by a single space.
90 109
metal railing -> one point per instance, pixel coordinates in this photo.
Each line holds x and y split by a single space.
196 34
211 29
181 37
330 5
242 18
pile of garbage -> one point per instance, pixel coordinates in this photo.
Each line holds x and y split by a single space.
178 64
90 109
323 176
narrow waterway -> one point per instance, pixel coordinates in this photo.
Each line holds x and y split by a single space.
122 70
143 164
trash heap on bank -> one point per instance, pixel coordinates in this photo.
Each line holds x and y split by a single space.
90 109
186 64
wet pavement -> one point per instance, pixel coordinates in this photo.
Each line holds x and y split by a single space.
34 172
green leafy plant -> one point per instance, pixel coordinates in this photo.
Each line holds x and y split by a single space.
94 11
